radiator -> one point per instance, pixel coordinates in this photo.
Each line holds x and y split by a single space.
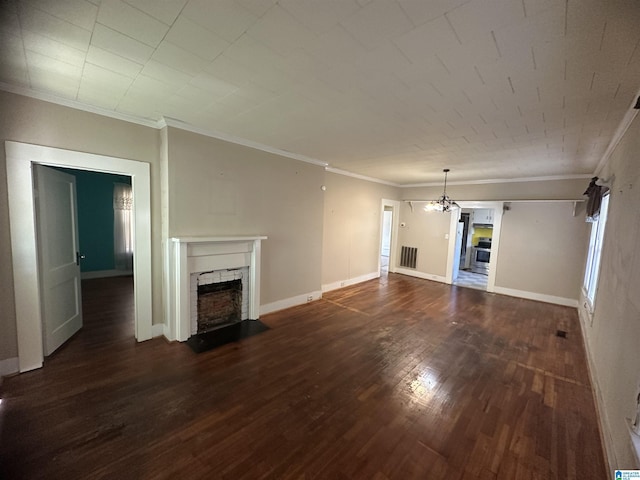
408 257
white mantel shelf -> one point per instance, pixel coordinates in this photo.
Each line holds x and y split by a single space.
190 255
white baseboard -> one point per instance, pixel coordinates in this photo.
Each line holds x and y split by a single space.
290 302
605 428
540 297
157 330
9 366
351 281
105 274
416 273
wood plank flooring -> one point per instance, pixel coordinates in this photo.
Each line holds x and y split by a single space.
397 378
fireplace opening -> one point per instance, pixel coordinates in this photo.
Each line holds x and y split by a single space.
219 304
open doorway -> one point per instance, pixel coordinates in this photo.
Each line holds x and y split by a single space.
20 160
385 246
473 245
104 204
389 214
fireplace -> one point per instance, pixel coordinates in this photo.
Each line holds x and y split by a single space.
221 298
212 263
218 304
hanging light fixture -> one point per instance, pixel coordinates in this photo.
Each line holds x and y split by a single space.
444 203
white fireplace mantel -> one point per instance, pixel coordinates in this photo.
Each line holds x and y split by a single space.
189 255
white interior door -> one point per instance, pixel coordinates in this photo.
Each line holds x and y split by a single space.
59 256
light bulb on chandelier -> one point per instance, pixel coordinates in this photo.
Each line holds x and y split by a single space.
444 203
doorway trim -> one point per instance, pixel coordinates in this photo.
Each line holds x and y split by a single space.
395 215
495 242
20 158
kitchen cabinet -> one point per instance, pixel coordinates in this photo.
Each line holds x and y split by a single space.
483 215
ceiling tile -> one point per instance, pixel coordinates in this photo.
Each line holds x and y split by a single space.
13 64
163 10
165 74
320 17
428 39
265 66
77 12
336 46
98 97
378 22
129 21
179 59
47 25
232 72
193 95
257 7
55 83
44 63
397 89
119 44
145 89
196 39
280 32
215 88
54 49
9 20
113 62
107 80
225 18
420 12
479 17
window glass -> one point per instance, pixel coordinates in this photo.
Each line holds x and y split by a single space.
595 251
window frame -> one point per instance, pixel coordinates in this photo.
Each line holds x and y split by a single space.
594 255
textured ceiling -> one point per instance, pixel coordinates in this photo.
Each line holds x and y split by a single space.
391 89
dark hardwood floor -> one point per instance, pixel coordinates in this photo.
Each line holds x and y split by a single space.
397 378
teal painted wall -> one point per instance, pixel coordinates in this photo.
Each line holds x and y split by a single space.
95 217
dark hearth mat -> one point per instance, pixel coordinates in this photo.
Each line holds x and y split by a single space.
232 333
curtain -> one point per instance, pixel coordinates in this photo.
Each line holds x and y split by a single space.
595 194
122 228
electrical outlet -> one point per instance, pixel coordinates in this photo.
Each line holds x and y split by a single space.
309 298
342 284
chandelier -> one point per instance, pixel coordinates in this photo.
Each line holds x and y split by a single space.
444 203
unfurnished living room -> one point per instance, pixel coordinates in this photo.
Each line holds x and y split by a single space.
350 239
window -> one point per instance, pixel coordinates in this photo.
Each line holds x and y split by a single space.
123 238
594 253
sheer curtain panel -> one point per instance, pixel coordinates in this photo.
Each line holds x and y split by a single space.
122 228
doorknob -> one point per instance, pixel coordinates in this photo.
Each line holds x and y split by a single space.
79 257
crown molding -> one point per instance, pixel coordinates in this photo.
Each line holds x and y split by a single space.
163 122
625 123
502 180
156 124
67 102
173 123
360 177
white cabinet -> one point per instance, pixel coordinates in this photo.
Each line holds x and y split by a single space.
483 215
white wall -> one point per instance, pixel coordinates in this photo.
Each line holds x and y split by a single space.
219 188
542 246
351 236
542 249
613 334
426 231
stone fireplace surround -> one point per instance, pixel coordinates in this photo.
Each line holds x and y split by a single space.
189 255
